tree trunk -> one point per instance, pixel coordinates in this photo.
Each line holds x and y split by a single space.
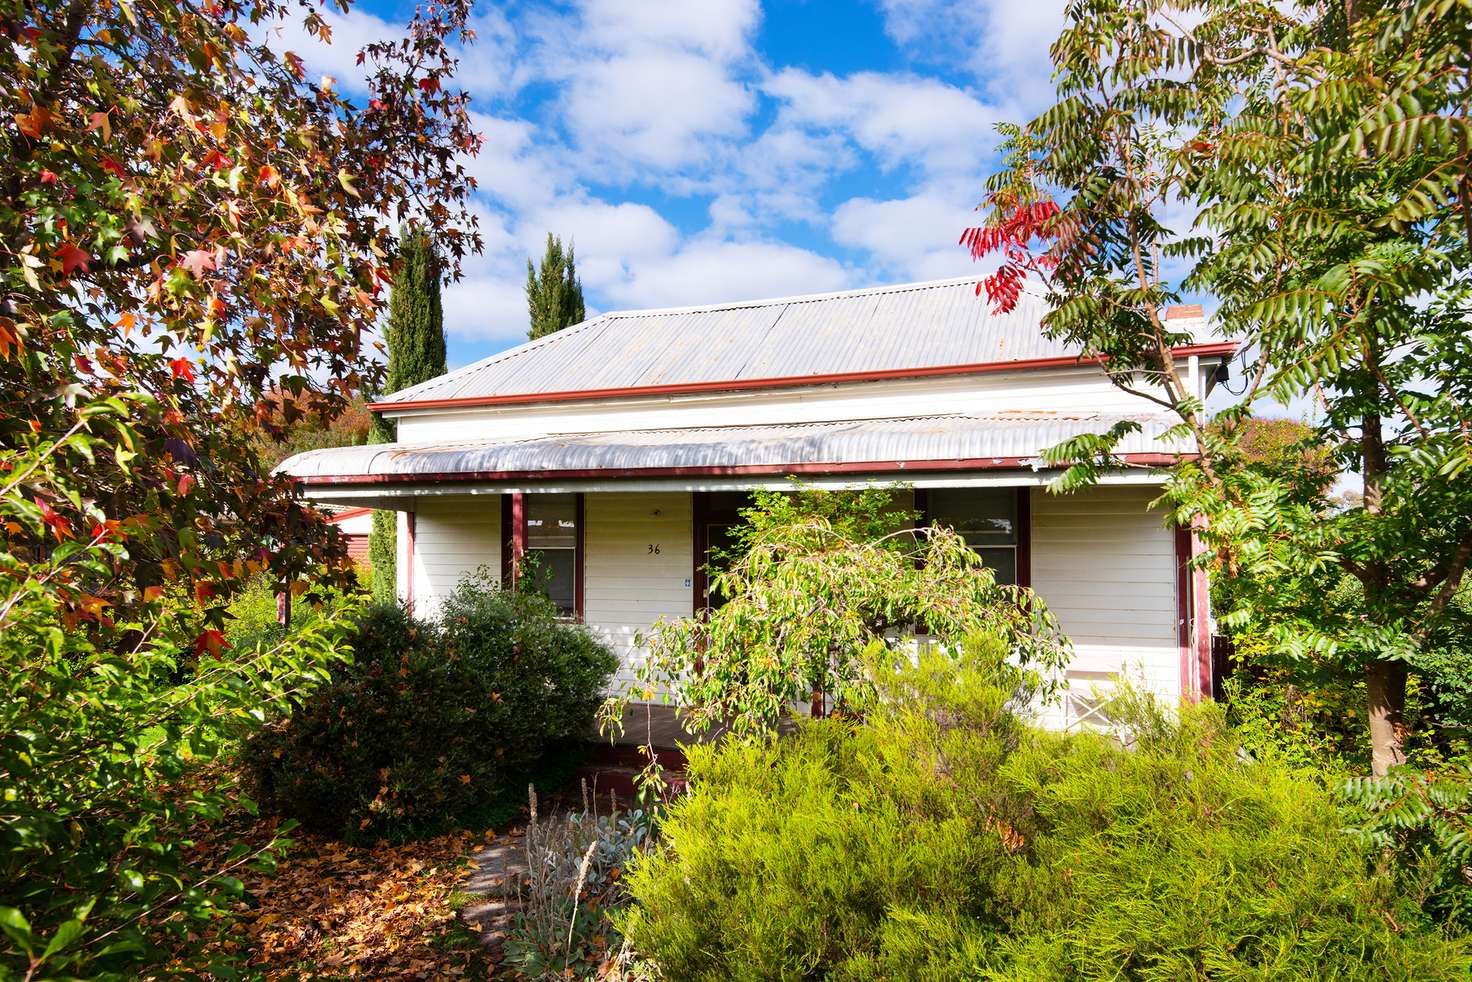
1385 688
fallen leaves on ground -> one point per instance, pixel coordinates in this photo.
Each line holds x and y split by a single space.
335 911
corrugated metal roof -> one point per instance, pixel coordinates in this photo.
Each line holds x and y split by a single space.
923 438
890 328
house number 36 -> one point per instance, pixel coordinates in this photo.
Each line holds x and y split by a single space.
654 549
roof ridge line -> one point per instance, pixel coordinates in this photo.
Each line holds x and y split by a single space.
804 297
535 344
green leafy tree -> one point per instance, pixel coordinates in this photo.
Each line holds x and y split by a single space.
554 294
107 712
190 216
190 226
811 592
1325 151
416 353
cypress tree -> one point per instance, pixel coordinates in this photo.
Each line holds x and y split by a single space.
416 353
554 295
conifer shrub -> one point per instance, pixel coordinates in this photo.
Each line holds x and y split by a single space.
434 721
941 836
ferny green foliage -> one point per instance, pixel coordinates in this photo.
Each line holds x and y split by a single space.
1308 166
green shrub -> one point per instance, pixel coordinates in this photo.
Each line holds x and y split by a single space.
433 721
943 838
252 613
108 728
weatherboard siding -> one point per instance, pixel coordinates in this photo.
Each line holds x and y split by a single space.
453 538
637 565
1104 562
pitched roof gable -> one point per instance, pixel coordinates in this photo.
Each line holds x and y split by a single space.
905 329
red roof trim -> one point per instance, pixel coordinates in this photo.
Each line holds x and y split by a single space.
729 470
1227 348
346 514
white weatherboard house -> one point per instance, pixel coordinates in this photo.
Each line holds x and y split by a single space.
616 451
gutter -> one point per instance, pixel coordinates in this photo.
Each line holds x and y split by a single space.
897 467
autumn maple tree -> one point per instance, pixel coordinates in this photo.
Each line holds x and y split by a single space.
190 215
1307 165
192 224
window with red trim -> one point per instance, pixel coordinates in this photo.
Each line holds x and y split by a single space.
552 541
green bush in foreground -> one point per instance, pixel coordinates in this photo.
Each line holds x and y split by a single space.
435 719
944 838
111 713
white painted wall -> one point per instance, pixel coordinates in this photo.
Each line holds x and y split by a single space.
626 586
1105 564
452 538
1101 559
1083 389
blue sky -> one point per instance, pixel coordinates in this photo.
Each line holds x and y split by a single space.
707 150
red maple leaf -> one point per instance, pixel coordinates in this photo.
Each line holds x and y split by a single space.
108 530
210 641
108 164
215 159
430 84
72 258
182 368
186 484
49 177
60 526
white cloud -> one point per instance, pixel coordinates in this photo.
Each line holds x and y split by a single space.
610 238
707 271
718 28
654 107
650 85
487 308
514 166
489 304
779 176
914 237
1004 44
899 119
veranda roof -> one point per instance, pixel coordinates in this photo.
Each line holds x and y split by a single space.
905 329
897 447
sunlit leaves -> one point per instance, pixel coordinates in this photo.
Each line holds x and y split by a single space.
813 594
190 219
1328 164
